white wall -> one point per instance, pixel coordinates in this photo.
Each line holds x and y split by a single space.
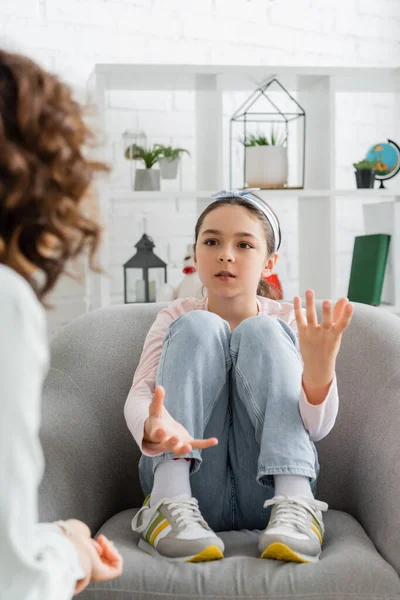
69 37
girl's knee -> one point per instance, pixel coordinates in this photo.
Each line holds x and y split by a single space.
201 323
254 326
265 327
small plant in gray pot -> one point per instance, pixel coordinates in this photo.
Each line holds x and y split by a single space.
365 173
147 179
170 161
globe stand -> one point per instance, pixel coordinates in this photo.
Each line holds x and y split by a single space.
374 155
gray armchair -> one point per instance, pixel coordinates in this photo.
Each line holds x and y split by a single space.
91 471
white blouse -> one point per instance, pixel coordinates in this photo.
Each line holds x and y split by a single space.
37 561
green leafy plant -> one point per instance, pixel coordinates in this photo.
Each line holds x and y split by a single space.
365 165
150 156
263 140
170 153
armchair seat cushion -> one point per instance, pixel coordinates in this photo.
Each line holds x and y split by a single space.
350 569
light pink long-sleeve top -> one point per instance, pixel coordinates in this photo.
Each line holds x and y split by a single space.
318 420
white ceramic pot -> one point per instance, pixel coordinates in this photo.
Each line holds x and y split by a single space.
147 180
169 169
266 166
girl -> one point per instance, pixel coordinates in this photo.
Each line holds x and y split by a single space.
44 178
227 370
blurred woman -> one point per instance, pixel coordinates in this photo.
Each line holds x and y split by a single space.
44 179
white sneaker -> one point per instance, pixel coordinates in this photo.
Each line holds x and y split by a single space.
176 530
295 530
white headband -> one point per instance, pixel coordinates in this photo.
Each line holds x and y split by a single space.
247 194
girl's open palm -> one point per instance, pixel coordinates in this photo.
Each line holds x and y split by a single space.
167 435
320 343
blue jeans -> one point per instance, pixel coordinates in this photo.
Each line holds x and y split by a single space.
242 387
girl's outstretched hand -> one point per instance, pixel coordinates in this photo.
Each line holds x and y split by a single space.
167 435
320 343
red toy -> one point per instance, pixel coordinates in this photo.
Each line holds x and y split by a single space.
274 282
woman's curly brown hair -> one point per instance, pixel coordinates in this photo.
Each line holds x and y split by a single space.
44 175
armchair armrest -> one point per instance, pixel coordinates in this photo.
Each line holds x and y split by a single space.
360 458
86 476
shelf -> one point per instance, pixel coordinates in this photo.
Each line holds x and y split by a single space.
371 193
243 77
123 194
126 194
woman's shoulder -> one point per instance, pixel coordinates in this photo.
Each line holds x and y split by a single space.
16 292
22 319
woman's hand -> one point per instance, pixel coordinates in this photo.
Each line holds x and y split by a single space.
98 558
320 343
166 434
110 564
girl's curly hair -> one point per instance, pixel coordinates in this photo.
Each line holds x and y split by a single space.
44 175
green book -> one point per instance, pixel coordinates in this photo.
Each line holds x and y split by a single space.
368 267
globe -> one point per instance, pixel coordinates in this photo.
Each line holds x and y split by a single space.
387 156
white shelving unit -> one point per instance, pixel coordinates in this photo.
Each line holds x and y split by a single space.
124 194
316 89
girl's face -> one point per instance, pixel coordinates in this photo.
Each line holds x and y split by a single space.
231 252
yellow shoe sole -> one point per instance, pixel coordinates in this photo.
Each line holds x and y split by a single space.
279 551
210 553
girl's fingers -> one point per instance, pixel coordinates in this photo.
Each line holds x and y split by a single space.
301 322
327 314
311 313
159 434
202 444
163 434
181 449
169 443
157 403
345 319
338 310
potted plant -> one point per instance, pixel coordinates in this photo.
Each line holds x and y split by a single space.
266 160
147 179
170 161
365 173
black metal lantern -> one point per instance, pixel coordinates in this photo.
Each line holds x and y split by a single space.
143 273
262 107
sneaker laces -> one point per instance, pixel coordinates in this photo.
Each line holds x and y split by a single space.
185 512
293 511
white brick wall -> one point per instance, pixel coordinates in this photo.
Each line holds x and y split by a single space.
71 36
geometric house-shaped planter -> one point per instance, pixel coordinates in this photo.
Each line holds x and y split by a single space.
279 112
